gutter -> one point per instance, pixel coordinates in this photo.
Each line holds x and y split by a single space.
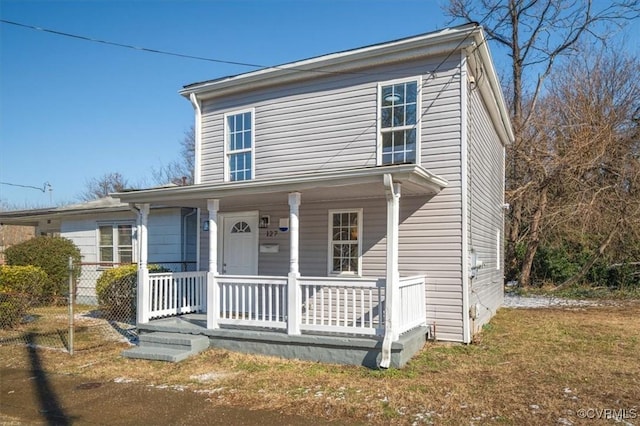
197 106
401 173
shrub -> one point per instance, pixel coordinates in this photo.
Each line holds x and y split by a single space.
116 290
52 255
28 280
20 287
13 306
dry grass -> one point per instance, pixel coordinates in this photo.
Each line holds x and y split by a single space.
535 366
48 327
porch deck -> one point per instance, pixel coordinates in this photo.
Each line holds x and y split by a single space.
329 319
332 348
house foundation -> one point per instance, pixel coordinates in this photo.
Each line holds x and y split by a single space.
326 348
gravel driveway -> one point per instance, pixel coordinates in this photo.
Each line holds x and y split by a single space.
514 301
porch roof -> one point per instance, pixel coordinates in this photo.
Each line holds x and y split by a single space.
316 186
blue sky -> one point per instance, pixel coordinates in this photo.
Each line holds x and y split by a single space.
71 110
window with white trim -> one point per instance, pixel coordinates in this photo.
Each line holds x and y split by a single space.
398 122
115 243
239 146
345 241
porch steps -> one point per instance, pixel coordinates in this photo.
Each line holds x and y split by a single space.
163 346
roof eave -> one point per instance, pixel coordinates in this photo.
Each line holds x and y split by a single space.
415 176
430 44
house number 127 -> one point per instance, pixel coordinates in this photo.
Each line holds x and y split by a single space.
272 233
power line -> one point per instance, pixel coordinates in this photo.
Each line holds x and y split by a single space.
203 58
165 52
43 189
128 46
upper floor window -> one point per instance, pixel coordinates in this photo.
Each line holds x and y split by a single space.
399 118
115 243
239 146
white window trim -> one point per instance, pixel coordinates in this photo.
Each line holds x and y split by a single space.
330 271
114 229
418 80
227 152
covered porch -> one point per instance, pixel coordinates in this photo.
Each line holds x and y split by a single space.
374 313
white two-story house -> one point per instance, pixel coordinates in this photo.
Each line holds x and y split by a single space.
350 205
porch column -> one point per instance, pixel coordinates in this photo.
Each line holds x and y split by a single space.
143 271
213 292
294 295
392 310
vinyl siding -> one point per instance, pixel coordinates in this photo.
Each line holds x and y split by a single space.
330 123
486 177
164 231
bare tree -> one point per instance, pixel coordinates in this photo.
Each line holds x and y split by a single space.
102 186
536 34
181 170
591 119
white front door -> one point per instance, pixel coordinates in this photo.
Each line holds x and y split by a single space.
240 244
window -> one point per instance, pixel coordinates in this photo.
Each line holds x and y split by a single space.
399 118
345 240
241 228
115 243
239 146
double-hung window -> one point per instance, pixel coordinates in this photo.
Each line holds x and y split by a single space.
239 146
345 242
115 243
399 122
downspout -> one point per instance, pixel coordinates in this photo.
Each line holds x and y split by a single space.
392 193
464 192
184 236
197 106
197 133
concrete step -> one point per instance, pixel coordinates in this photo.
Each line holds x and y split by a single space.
157 354
189 342
172 347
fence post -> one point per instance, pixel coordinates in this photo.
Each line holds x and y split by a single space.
71 305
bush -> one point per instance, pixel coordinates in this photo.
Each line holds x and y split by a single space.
116 290
28 280
20 287
13 307
52 255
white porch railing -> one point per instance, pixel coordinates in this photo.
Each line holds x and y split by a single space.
328 304
252 300
173 293
412 303
342 305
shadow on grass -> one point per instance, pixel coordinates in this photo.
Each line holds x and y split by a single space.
49 405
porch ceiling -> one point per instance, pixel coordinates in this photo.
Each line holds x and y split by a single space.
323 186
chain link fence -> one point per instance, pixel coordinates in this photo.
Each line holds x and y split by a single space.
78 320
99 310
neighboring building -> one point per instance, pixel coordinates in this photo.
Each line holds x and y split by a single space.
13 234
105 231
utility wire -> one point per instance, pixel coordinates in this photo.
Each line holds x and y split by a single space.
128 46
43 189
219 61
164 52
